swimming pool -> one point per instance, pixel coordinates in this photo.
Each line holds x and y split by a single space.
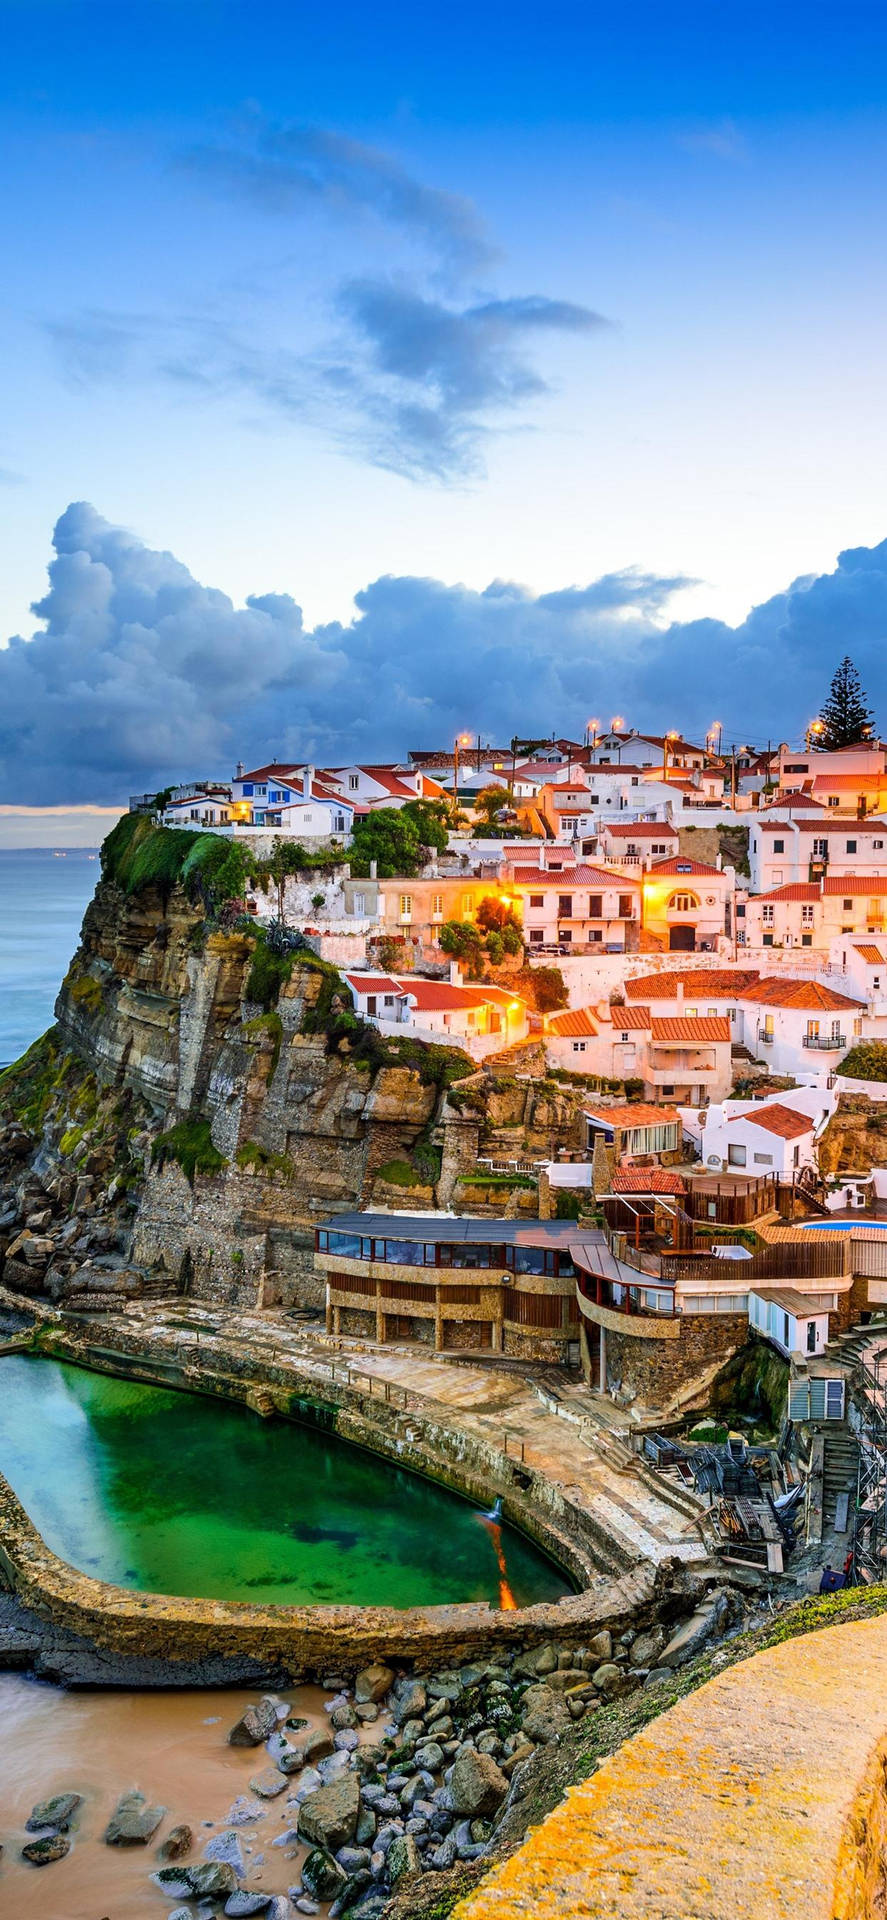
840 1226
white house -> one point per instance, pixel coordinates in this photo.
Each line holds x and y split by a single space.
637 843
296 801
814 913
795 1323
684 1059
796 769
383 786
575 908
803 847
798 1026
754 1137
482 1018
688 905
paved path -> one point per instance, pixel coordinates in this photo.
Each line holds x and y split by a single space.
760 1797
497 1406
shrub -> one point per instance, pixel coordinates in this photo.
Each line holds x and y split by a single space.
250 1154
550 990
189 1143
399 1173
866 1061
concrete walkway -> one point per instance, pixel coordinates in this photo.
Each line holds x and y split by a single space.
760 1797
497 1406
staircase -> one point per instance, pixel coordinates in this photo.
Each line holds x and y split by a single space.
839 1472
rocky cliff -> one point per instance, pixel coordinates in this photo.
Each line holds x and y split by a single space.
194 1113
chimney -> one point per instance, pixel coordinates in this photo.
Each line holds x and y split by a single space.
373 867
307 782
719 861
239 770
455 974
679 992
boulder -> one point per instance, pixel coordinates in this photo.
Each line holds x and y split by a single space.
239 1906
409 1702
269 1783
430 1757
322 1876
404 1859
178 1842
646 1648
544 1714
607 1677
133 1822
477 1786
57 1812
693 1635
317 1745
600 1647
373 1683
291 1761
211 1880
255 1725
329 1816
41 1853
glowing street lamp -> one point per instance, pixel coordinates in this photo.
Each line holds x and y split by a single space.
461 740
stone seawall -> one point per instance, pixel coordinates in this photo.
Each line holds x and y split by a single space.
304 1640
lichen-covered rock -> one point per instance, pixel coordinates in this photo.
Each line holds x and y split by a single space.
57 1812
41 1853
373 1683
133 1822
322 1875
255 1725
544 1714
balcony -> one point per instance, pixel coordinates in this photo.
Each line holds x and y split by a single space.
766 1039
826 1042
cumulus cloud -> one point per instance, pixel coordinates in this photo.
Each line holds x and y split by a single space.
289 169
140 675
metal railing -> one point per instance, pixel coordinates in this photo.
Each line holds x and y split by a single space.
825 1042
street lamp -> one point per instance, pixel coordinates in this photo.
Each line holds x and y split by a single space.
461 740
671 735
815 728
592 730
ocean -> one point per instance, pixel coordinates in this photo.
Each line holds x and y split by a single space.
43 897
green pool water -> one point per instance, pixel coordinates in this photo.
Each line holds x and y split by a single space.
170 1493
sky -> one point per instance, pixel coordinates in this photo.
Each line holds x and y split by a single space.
374 374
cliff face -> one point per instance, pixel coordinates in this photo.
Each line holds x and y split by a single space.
169 1131
855 1139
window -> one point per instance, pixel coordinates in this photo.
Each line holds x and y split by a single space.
437 906
683 903
767 940
360 905
578 1046
625 906
740 910
635 780
537 899
847 906
354 781
537 935
248 787
340 823
406 905
565 934
779 846
768 915
692 1013
595 906
878 843
806 939
763 1159
736 1156
565 906
595 801
851 846
834 800
467 904
820 849
799 767
807 916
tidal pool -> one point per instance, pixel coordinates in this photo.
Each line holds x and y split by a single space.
166 1492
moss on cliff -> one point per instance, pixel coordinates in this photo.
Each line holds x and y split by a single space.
189 1143
753 1385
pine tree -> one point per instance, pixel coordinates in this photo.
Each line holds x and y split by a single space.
845 718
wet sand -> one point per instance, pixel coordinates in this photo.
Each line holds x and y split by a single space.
173 1748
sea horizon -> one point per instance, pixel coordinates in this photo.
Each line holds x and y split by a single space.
44 893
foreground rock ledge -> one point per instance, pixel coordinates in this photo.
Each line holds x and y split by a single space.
759 1797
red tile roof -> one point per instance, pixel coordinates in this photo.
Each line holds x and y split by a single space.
719 983
713 1027
851 883
795 890
633 1115
872 955
573 877
574 1023
439 995
647 1180
850 782
644 830
637 1018
807 995
679 866
776 1119
373 983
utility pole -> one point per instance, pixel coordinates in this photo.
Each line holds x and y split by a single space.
733 775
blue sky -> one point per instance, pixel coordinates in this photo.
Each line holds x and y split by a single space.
436 298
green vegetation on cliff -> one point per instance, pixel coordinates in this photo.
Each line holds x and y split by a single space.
867 1061
189 1143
